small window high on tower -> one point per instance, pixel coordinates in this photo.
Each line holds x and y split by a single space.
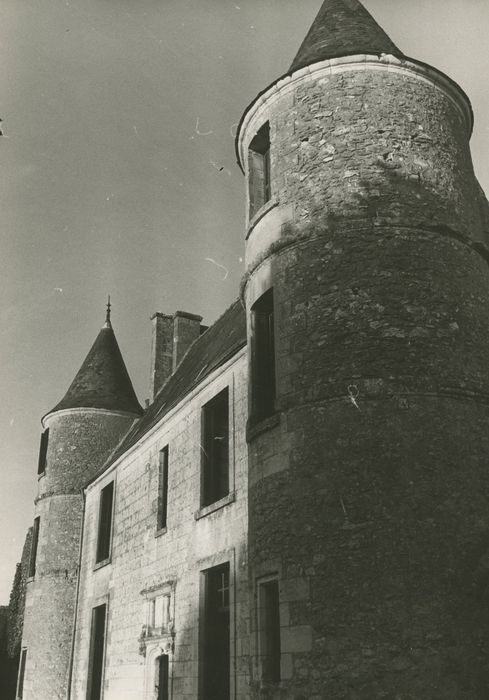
259 169
43 450
35 541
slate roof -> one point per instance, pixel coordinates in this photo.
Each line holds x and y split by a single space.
102 381
219 343
342 28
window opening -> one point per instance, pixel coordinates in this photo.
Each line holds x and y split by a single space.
105 522
215 448
259 169
97 649
262 357
163 489
34 545
269 630
216 637
20 682
43 450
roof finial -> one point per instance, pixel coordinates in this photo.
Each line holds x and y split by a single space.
107 316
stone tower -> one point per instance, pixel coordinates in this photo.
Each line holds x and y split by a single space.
79 435
367 296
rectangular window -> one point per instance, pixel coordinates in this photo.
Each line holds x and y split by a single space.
97 649
43 450
269 630
262 357
163 677
215 448
34 544
105 522
162 489
259 169
216 649
20 682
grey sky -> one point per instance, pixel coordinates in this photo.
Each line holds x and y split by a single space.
118 175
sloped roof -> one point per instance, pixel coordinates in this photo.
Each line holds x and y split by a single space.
342 28
102 381
212 349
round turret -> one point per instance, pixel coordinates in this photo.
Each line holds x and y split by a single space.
79 435
367 292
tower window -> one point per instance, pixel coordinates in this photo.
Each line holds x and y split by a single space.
259 169
162 489
215 448
43 450
216 635
262 357
20 682
97 648
35 541
105 522
269 630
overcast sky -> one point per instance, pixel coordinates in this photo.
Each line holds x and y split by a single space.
118 175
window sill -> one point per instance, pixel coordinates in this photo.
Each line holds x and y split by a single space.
161 531
30 579
101 564
257 427
262 211
39 476
211 508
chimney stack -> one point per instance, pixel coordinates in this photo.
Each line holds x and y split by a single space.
172 337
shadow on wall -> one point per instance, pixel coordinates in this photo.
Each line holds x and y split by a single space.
393 196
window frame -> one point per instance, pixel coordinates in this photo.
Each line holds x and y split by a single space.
105 526
212 473
263 382
43 453
269 661
162 505
206 628
34 547
92 651
259 171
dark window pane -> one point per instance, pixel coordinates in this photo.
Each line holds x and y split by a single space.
96 659
34 544
262 357
216 637
215 449
163 489
43 450
269 626
259 169
105 522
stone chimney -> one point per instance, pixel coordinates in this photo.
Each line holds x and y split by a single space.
172 337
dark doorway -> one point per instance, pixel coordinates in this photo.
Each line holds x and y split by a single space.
163 677
216 637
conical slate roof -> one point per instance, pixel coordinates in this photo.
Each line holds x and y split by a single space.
102 380
342 28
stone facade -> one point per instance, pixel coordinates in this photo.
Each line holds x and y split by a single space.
144 560
354 519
